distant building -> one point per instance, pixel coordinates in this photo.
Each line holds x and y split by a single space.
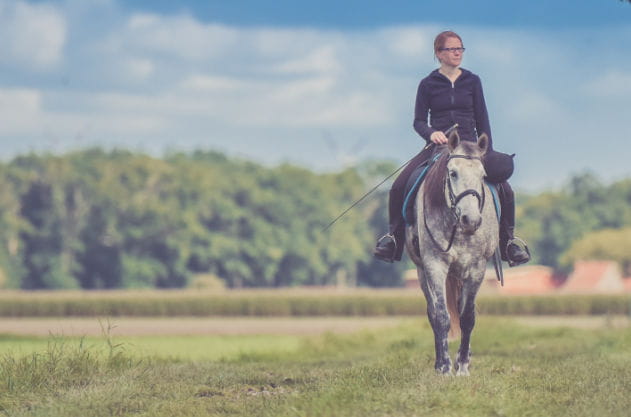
410 278
530 279
588 277
594 277
522 280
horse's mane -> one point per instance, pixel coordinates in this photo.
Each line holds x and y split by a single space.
435 181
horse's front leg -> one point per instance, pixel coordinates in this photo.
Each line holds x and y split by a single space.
433 285
467 322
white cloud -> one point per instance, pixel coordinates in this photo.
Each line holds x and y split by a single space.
212 83
180 36
18 108
294 92
140 68
282 43
613 83
409 42
24 113
150 78
32 36
531 106
321 59
304 103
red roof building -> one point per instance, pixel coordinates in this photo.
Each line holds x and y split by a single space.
588 277
594 277
522 280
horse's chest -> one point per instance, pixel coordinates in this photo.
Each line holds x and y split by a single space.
463 260
473 251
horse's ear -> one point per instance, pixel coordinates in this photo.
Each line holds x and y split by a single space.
483 143
453 140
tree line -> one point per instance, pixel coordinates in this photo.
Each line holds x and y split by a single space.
586 219
97 219
117 219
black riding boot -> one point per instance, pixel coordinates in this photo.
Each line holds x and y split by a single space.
386 248
390 246
513 249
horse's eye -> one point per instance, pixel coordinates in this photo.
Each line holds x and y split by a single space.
453 175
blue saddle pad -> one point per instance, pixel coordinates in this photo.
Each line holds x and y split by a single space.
411 189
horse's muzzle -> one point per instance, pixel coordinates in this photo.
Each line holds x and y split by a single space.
470 223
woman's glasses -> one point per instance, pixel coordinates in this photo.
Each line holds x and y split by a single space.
461 50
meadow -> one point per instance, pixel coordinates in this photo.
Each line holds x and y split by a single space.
517 370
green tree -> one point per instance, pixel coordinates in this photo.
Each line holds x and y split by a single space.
552 221
606 244
10 226
374 212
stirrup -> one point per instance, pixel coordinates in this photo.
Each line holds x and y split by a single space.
390 235
522 244
382 256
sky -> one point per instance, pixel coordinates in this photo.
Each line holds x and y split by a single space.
324 84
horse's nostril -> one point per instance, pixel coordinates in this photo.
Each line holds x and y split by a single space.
465 219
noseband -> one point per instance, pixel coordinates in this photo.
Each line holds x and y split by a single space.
454 200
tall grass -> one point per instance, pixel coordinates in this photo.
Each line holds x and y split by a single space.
516 371
285 303
63 365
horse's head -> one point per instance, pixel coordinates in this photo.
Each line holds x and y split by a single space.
464 182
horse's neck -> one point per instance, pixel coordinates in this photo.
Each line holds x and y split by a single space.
440 216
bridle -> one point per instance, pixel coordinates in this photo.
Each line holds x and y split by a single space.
454 200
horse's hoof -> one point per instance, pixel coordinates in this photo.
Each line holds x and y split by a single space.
462 369
443 370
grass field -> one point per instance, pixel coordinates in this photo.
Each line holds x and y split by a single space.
517 370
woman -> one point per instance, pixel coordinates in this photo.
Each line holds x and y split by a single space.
450 96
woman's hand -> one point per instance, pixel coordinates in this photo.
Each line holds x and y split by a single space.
438 138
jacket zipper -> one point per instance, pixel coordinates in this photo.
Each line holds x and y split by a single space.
453 100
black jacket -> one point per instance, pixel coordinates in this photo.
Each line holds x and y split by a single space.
440 104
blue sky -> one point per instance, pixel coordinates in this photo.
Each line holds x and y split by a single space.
353 14
323 84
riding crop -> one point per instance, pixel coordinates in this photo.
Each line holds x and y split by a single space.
384 180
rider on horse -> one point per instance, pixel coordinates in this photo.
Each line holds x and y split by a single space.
451 96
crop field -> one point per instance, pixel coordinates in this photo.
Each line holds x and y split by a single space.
286 303
520 367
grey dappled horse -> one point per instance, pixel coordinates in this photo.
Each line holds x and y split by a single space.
457 232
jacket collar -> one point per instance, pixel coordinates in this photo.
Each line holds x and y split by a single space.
438 76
